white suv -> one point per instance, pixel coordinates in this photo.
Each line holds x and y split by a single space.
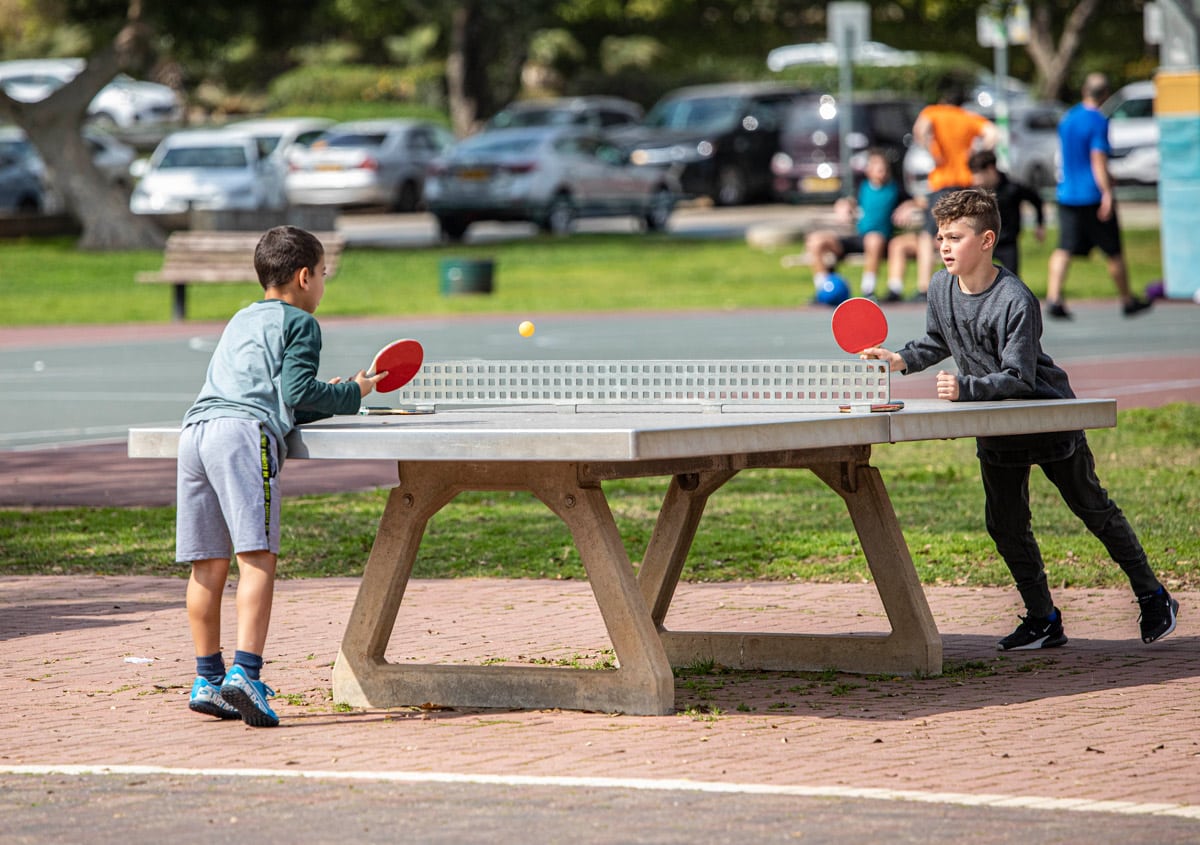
124 103
1133 134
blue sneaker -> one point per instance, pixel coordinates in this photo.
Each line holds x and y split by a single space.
206 699
249 698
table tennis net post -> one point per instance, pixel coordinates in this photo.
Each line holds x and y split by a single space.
724 385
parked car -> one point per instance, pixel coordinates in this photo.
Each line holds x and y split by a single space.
370 162
278 136
210 169
593 112
21 190
550 176
1032 148
125 103
111 157
1133 134
716 140
808 165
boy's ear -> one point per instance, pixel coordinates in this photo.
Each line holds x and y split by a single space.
301 277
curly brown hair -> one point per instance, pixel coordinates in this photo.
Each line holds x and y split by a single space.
974 205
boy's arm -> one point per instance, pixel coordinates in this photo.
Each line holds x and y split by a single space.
1029 195
310 398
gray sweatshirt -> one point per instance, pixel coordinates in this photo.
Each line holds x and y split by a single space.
995 339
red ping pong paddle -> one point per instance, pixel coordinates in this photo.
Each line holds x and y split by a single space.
859 324
401 360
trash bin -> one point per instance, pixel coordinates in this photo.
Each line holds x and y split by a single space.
467 275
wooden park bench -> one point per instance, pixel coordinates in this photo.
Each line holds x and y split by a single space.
203 257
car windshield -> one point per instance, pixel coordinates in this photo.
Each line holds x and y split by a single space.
811 116
353 139
16 149
208 157
267 143
498 146
535 117
703 113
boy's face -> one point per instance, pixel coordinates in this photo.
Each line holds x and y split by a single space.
311 292
877 170
962 249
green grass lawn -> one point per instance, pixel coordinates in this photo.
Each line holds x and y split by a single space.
49 281
764 524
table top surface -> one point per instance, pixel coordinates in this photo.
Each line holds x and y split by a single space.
632 433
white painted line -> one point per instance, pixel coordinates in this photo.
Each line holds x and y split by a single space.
1079 805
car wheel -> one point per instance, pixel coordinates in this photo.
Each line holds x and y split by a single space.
662 203
452 228
407 198
560 216
28 204
731 186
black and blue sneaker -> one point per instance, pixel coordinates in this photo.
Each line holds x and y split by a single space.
1159 612
249 698
206 699
1035 632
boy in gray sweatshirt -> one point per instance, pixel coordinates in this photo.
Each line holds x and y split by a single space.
989 322
261 383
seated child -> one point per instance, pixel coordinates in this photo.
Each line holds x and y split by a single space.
878 199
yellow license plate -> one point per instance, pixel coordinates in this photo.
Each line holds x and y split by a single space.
817 185
473 175
328 167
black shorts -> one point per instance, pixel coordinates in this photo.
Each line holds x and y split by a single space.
854 245
1080 230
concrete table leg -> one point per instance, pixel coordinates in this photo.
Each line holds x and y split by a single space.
913 646
643 683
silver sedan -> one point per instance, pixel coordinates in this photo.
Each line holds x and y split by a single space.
369 162
550 176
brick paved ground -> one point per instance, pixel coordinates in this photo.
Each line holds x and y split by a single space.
1104 718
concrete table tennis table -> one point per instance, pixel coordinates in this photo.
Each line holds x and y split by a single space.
563 458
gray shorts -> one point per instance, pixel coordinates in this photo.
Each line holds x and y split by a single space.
227 490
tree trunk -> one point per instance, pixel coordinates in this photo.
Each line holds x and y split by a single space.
466 69
1053 63
54 126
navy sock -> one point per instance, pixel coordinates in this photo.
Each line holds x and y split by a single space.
252 663
211 667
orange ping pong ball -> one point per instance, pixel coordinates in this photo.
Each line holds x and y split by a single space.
525 329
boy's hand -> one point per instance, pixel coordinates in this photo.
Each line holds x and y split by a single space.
895 362
947 386
367 383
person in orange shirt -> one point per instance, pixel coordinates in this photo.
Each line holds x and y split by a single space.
951 134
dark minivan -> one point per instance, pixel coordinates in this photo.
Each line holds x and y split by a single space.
808 165
717 140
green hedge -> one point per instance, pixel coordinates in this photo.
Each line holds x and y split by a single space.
419 85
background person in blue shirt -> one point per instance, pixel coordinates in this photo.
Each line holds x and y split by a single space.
1087 208
879 197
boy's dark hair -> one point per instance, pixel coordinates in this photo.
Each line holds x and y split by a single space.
981 160
973 204
950 89
284 250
